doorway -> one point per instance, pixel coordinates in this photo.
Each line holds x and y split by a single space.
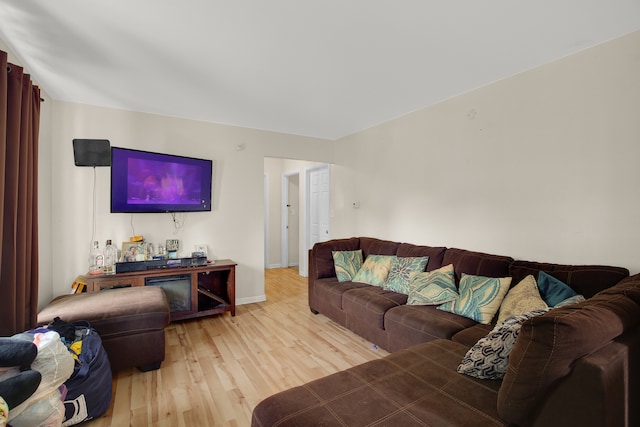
288 228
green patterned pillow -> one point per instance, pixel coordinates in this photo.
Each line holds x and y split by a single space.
347 264
480 297
402 268
433 287
374 270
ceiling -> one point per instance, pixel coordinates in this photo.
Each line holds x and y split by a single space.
325 68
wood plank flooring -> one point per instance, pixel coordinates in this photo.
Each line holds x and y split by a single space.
218 368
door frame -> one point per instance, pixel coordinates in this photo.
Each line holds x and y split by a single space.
284 237
266 220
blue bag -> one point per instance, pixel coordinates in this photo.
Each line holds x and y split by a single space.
89 387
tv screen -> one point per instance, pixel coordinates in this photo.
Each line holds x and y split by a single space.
143 181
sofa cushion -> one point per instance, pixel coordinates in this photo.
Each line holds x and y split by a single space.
488 358
415 387
435 254
408 325
471 335
586 280
480 297
370 303
374 270
549 345
347 264
627 287
521 298
402 269
323 255
433 288
375 246
477 263
332 290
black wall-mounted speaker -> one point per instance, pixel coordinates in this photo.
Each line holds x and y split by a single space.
92 152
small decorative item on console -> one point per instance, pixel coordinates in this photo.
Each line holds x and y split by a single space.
172 246
132 252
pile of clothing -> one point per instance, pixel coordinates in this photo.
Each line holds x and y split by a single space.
33 369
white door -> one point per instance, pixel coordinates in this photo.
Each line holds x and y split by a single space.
318 202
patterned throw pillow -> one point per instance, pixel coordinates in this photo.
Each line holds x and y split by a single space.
402 268
489 357
347 264
552 290
374 270
480 297
522 298
433 287
571 300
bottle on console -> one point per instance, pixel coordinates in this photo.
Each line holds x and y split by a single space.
96 259
110 253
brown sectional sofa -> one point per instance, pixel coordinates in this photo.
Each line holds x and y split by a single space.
575 365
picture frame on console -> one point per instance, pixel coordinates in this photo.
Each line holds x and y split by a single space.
132 251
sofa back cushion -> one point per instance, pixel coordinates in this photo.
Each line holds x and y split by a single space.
435 254
477 263
548 346
586 280
370 245
322 256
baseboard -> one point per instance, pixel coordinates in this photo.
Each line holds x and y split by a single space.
269 267
251 300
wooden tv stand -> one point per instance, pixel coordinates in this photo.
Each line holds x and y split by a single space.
192 291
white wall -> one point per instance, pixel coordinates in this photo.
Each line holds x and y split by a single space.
540 166
234 229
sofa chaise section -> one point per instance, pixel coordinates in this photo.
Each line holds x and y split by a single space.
575 365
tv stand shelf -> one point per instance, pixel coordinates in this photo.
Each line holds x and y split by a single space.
192 291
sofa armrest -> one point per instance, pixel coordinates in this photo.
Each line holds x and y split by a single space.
321 257
594 394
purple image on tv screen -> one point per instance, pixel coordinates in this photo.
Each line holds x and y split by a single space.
154 182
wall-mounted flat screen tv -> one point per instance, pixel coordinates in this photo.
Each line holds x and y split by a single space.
143 181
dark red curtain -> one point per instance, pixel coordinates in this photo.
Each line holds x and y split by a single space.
19 126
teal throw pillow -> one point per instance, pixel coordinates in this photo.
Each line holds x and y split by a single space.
402 268
374 270
552 290
347 264
480 297
434 287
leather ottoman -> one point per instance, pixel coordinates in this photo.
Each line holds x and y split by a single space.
130 322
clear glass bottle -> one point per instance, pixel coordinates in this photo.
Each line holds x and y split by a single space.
96 259
110 253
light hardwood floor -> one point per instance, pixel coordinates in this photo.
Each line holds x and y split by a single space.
217 369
